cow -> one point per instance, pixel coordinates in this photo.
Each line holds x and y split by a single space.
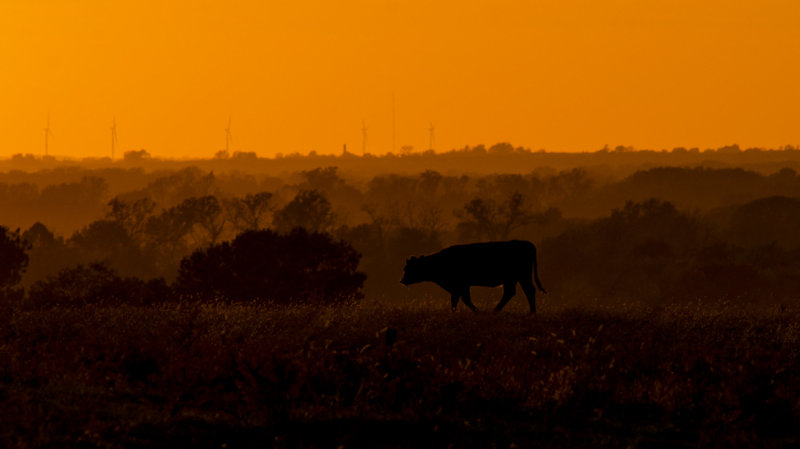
487 264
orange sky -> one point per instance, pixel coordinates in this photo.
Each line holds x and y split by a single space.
297 76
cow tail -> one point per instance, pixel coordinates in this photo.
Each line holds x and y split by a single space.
536 272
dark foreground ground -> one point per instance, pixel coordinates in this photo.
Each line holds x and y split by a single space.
228 376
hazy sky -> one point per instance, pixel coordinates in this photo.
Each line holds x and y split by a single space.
297 76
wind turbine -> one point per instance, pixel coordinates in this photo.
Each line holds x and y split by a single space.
431 130
113 137
228 137
47 134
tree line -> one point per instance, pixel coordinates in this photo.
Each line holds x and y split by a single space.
663 234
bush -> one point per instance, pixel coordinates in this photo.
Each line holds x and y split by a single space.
95 284
13 257
13 261
294 267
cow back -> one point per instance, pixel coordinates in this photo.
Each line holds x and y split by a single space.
483 264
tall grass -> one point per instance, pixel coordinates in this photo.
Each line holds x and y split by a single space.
256 375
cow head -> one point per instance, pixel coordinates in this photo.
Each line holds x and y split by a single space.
414 272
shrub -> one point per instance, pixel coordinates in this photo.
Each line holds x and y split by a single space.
95 284
296 267
13 262
13 257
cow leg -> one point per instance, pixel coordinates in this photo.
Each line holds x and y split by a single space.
454 299
509 289
530 293
468 301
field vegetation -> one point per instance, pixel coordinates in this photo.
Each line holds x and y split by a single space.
411 375
173 306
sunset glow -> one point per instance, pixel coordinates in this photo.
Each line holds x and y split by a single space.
300 76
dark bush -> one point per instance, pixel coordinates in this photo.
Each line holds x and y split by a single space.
294 267
13 257
636 253
13 261
766 221
96 284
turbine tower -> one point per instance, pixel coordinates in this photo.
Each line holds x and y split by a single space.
113 137
228 137
47 134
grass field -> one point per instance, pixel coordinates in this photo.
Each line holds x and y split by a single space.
226 376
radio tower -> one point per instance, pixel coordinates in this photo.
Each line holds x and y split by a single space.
47 134
431 130
113 137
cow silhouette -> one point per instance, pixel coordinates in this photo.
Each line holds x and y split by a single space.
487 264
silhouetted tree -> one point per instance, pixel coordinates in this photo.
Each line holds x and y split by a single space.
323 179
109 242
87 193
485 219
39 235
693 187
503 148
48 253
245 155
169 229
285 268
514 214
568 184
18 196
131 215
386 188
786 180
167 239
136 155
13 259
480 218
773 220
430 219
248 213
206 213
73 204
170 190
309 210
639 252
429 181
379 225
